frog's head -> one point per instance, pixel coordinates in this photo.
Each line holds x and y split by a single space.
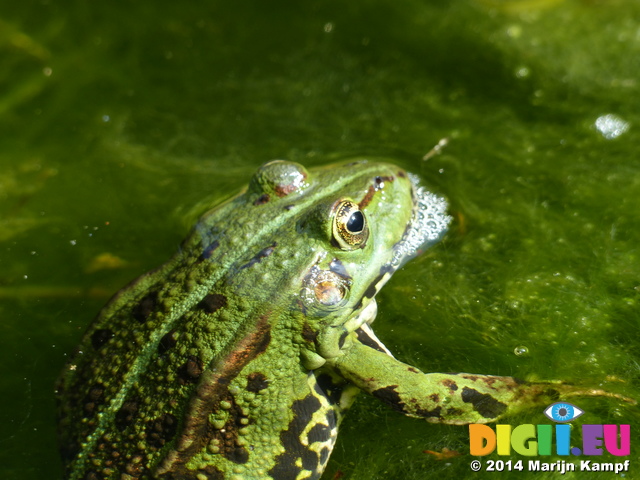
352 224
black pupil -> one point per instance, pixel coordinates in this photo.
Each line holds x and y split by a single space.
355 224
562 412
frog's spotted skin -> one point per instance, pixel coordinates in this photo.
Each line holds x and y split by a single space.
237 359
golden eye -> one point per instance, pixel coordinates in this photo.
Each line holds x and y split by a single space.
350 230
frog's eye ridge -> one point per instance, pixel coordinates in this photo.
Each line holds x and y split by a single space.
350 229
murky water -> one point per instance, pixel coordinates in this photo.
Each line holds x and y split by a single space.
121 120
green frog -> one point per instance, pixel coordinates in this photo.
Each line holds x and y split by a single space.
238 358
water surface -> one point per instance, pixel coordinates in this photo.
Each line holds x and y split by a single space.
121 120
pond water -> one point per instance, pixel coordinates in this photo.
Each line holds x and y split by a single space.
122 120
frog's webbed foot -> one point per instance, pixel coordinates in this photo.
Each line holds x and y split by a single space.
568 390
457 399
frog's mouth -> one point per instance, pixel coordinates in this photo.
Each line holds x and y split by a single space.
428 224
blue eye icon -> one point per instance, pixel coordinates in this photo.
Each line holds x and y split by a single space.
562 412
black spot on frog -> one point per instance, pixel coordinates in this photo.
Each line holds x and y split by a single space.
213 302
145 307
100 337
256 382
167 342
127 413
161 430
483 403
190 371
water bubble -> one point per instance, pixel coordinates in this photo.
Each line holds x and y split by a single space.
521 351
611 126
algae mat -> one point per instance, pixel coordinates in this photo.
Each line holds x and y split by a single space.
119 119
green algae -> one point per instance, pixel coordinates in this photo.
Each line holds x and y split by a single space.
120 117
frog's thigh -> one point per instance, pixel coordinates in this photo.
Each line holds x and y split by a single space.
311 433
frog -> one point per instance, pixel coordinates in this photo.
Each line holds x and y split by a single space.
238 358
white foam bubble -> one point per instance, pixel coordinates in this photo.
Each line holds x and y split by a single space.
429 223
611 126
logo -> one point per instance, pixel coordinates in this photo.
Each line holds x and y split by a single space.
562 412
531 440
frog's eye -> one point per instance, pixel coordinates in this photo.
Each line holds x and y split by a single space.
350 229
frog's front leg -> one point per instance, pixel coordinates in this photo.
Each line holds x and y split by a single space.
457 399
